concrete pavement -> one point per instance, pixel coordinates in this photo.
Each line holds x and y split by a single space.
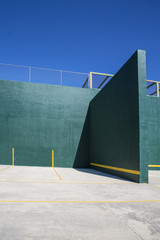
65 203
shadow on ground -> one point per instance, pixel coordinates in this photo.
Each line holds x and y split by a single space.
102 174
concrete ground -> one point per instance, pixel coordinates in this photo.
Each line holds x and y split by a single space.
64 203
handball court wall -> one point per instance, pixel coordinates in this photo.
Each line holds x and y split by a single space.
114 130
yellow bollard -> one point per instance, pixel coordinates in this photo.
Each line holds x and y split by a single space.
12 156
52 158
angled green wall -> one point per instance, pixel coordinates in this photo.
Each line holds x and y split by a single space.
153 132
117 123
36 118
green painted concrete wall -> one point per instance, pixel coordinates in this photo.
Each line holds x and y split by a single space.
153 132
118 124
82 155
36 118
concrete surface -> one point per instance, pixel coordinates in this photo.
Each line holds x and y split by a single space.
65 203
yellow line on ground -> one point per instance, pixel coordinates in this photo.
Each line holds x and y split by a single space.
57 174
4 168
116 168
153 165
29 179
65 182
153 186
71 180
54 179
77 201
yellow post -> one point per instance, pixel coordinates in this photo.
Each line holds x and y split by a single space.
52 158
12 156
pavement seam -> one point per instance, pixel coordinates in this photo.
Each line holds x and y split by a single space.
122 221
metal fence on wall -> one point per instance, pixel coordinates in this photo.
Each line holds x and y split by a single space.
64 78
41 75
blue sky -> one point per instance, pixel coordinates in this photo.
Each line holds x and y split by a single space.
77 35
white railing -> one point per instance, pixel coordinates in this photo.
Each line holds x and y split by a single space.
64 78
53 76
97 80
153 88
41 75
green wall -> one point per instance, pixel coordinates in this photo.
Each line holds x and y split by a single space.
82 155
153 132
117 122
118 126
36 118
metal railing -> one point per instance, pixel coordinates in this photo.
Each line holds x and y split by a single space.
41 75
64 78
153 88
53 76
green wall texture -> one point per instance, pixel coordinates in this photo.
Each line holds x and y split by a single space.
118 122
82 158
153 132
36 118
